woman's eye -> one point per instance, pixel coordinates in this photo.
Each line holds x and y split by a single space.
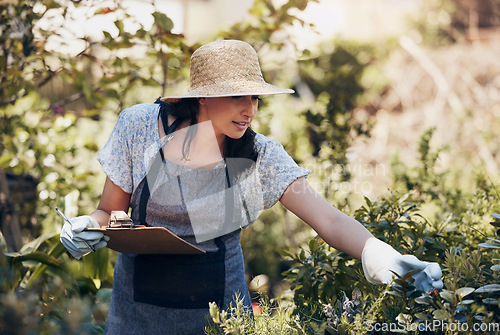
256 97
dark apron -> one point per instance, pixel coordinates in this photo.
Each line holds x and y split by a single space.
178 281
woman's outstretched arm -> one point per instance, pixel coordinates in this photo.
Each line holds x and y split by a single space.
379 260
337 229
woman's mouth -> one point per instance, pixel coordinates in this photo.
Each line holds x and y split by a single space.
241 125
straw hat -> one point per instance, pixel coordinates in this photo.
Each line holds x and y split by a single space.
226 68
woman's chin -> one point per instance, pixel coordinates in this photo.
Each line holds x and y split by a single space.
236 136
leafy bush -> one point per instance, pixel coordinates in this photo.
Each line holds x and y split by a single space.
43 291
470 264
457 236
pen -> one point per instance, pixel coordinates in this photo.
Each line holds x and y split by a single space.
66 219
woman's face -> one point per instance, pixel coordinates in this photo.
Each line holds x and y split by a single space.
230 116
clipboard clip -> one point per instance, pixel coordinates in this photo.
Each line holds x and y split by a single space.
120 219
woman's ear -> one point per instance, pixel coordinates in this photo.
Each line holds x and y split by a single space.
202 101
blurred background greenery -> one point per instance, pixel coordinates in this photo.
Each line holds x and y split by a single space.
413 109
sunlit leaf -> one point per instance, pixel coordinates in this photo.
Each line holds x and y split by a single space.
423 300
464 291
488 288
447 295
491 245
466 302
31 246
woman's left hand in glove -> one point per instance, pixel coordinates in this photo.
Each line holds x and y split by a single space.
78 241
379 260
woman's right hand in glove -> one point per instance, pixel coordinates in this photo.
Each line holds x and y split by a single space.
75 239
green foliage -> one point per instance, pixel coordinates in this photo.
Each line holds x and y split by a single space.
455 210
239 320
470 295
318 274
336 78
43 291
266 22
30 65
469 259
435 24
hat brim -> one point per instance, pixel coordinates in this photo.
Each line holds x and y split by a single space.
230 90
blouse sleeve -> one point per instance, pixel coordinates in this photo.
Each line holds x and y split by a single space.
115 156
277 170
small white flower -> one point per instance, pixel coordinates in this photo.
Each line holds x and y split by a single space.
328 310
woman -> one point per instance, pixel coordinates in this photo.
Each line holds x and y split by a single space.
192 164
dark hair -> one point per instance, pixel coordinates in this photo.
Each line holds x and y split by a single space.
188 109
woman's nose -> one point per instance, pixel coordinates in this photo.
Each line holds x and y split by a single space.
250 107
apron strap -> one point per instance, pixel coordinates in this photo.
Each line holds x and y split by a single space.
157 163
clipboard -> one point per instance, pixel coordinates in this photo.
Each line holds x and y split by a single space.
130 239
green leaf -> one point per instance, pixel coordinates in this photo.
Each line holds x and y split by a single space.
368 202
31 246
491 301
328 267
491 245
5 159
39 257
163 21
103 295
119 24
410 274
396 294
423 300
57 251
464 291
313 245
488 288
107 35
51 4
422 316
447 295
466 302
441 314
302 255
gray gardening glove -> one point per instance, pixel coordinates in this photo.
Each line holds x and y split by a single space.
73 237
379 258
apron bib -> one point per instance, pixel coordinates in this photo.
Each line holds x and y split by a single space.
177 281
